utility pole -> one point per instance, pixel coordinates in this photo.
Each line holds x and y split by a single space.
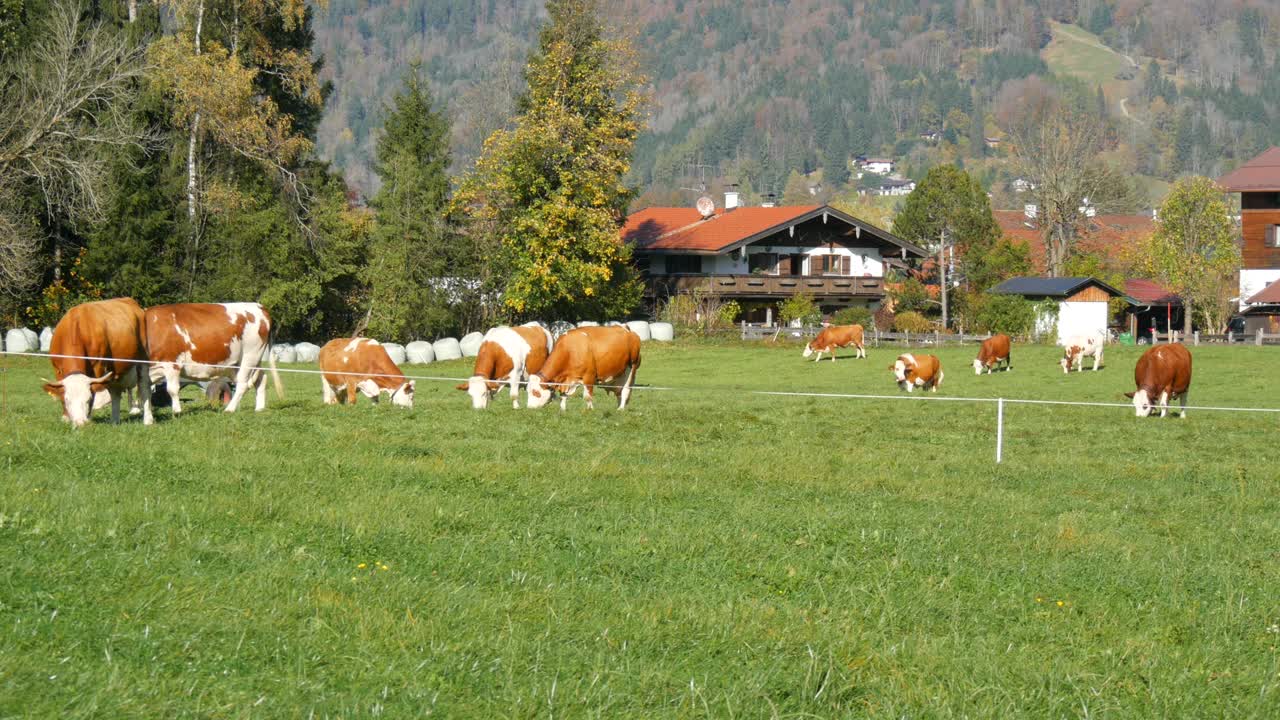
942 273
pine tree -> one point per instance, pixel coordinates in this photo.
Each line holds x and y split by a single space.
410 256
547 198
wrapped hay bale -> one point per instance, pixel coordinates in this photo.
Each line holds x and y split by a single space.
307 352
46 339
419 352
284 353
662 332
470 344
33 340
588 323
447 349
15 341
559 328
396 351
641 328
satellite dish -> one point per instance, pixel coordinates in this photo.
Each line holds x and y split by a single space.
706 206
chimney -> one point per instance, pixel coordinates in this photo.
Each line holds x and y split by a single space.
1030 211
732 198
770 200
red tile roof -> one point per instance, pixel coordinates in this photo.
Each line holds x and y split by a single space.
667 228
1270 295
1108 235
1261 173
1147 292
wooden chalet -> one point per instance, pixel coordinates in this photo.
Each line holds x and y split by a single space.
1258 182
759 256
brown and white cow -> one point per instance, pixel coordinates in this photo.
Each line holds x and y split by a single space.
586 356
994 351
1075 348
1162 373
507 355
914 371
202 341
836 336
362 364
99 346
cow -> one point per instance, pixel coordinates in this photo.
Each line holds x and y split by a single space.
1075 349
836 336
914 371
203 341
1162 373
507 355
994 350
99 346
362 364
584 357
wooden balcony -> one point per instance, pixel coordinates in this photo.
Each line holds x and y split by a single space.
767 286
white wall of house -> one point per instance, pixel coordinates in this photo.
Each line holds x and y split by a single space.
1081 318
1253 282
863 261
732 264
879 167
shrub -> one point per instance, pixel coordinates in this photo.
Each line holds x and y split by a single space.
1010 314
913 322
700 311
799 307
853 316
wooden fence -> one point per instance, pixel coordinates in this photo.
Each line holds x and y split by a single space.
873 336
1196 338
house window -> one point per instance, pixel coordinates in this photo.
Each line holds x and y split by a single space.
1273 236
764 262
684 264
830 264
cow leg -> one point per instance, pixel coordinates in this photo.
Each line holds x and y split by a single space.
1182 399
565 393
115 406
326 391
1164 403
588 394
351 393
260 385
244 377
625 393
172 377
515 389
833 354
135 402
1097 360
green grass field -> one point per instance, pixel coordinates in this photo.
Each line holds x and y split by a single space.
1079 53
706 553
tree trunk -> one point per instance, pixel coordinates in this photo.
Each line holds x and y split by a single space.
192 184
133 11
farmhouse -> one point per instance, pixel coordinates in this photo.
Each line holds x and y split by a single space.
879 166
1258 182
1262 311
1082 302
1108 236
759 256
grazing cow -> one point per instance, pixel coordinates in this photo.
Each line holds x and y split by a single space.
362 364
836 336
507 355
1077 347
203 341
1162 373
914 371
99 346
994 350
584 357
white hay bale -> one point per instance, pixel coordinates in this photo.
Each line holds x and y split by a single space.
15 341
641 328
284 353
662 332
46 339
419 352
396 351
470 344
307 352
588 323
33 340
447 349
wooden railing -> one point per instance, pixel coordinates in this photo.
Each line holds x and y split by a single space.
1256 338
767 285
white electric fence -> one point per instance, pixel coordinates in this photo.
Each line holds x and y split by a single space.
921 397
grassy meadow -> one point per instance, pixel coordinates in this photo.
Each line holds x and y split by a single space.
707 553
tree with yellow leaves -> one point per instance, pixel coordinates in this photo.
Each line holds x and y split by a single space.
547 197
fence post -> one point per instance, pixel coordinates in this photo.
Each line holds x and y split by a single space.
906 338
1155 336
1258 340
1231 336
999 431
937 338
1196 338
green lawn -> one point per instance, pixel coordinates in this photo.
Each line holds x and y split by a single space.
1079 53
706 553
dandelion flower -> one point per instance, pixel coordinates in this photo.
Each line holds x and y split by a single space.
1039 599
1060 603
361 566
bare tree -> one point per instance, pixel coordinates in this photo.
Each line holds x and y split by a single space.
64 115
1057 149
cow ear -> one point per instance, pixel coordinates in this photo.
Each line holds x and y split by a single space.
54 389
463 386
1130 395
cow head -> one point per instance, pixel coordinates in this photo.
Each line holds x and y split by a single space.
1069 357
808 350
480 389
1141 403
539 393
903 365
977 366
76 392
403 395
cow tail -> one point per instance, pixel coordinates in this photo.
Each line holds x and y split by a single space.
271 359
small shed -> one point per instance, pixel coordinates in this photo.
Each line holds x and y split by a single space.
1082 301
1263 310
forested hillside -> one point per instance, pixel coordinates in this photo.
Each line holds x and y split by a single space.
756 90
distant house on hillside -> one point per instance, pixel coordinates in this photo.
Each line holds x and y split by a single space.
759 256
1258 182
879 166
1021 185
931 136
992 142
1082 302
896 187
